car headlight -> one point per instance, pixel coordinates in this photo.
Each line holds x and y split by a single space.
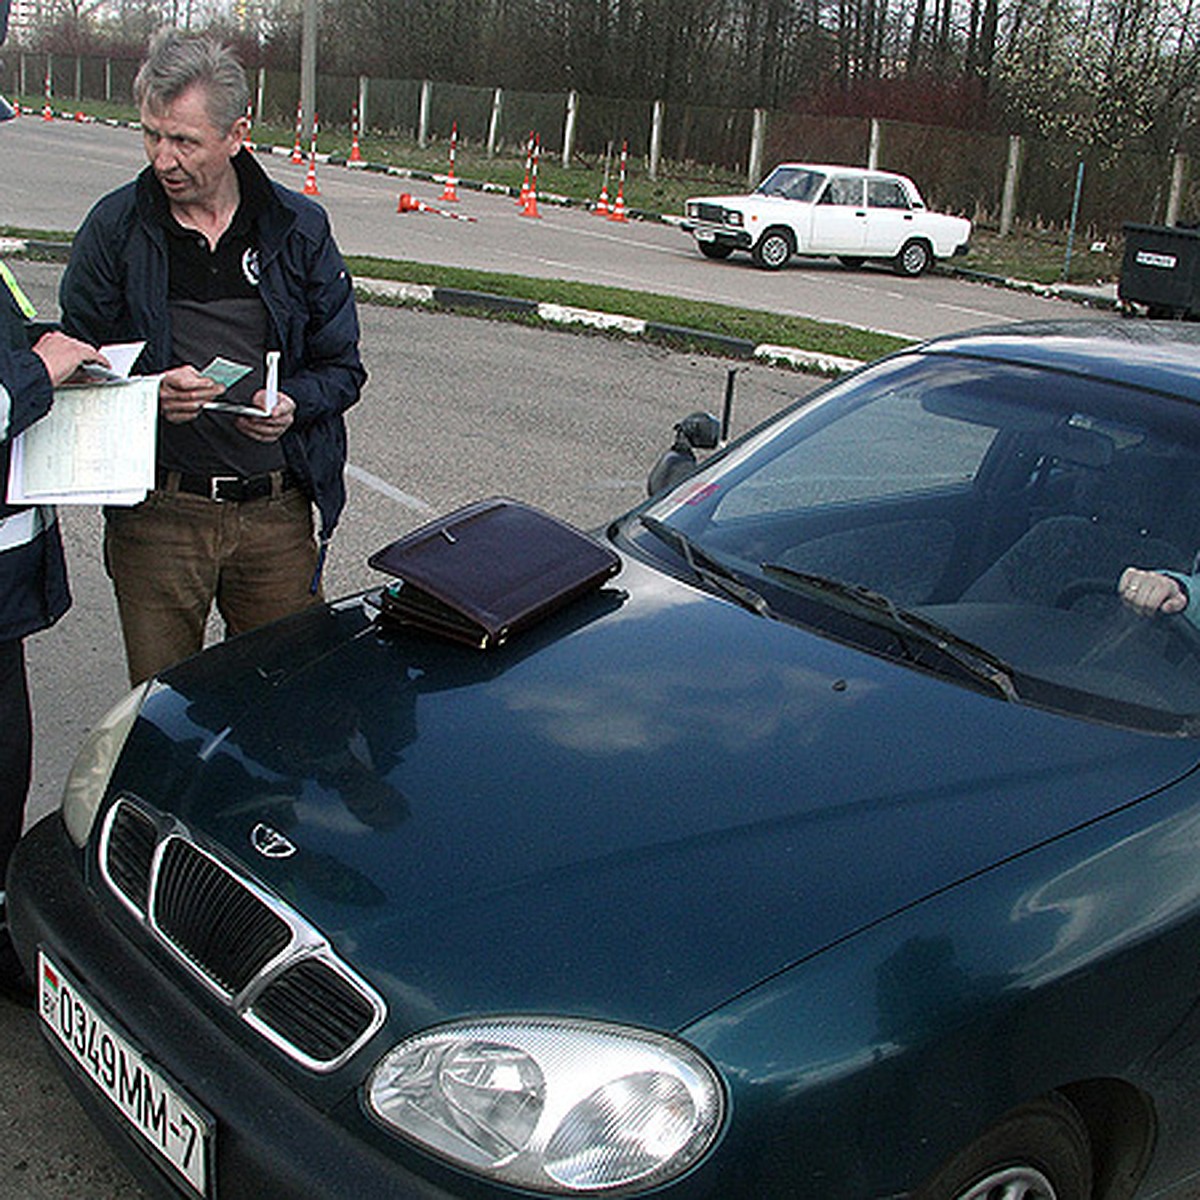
94 762
561 1106
733 217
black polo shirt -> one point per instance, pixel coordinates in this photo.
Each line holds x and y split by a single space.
216 311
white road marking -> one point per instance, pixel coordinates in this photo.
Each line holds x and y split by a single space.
415 503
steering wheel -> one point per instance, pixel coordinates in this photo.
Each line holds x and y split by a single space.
1176 624
1077 589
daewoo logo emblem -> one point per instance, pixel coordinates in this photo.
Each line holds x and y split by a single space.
270 843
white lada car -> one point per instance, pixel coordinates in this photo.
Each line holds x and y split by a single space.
844 212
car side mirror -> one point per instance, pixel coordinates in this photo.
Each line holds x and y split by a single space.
698 431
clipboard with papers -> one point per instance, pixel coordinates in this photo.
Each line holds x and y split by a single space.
96 445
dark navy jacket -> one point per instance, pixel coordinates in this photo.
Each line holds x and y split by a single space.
33 575
115 290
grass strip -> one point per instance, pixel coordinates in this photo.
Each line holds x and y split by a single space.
752 325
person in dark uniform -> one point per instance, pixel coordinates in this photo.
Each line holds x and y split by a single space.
33 577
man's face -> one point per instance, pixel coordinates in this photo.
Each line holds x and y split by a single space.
190 156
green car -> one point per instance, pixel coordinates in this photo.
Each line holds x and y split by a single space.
834 834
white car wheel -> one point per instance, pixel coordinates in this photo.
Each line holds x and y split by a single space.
773 249
915 258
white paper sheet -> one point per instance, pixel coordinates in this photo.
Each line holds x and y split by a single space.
95 446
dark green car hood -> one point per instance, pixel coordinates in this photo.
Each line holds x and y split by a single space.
640 808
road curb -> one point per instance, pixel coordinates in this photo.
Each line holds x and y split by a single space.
388 291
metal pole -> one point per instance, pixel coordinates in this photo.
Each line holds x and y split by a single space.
727 413
1066 271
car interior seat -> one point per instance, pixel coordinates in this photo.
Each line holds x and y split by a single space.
1131 511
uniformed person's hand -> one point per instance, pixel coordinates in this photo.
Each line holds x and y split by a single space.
63 355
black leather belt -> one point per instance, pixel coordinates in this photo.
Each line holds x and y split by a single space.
234 488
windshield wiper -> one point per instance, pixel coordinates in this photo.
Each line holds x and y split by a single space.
882 610
706 568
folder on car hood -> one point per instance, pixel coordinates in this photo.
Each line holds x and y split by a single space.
486 571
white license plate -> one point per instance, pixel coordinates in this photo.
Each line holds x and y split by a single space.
173 1126
705 235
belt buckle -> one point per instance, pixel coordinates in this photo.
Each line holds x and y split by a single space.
215 486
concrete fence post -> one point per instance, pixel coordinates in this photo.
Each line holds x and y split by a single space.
423 115
568 150
494 122
656 131
1178 179
758 140
1012 178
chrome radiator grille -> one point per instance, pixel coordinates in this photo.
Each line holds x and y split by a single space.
210 916
264 961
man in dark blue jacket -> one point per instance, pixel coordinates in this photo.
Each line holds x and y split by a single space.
33 576
207 259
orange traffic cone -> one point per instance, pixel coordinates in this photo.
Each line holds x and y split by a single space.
602 203
531 208
523 198
450 192
47 111
355 152
310 180
407 203
618 212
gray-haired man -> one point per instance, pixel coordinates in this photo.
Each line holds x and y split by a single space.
206 258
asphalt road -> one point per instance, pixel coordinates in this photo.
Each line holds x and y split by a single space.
456 408
55 170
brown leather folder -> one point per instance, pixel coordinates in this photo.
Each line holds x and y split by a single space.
486 571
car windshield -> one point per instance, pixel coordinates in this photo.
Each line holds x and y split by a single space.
981 511
793 183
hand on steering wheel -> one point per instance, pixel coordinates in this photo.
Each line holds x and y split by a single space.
1149 593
